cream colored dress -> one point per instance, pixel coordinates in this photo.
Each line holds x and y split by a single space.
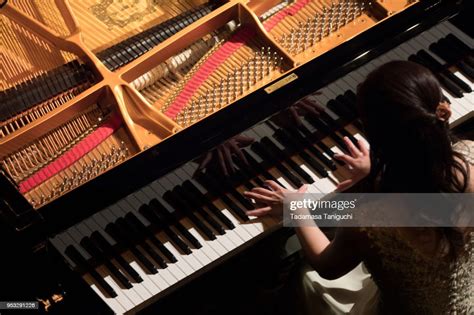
401 280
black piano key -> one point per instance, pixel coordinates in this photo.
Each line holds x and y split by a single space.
332 123
241 177
348 100
257 168
82 263
172 219
155 219
448 84
436 66
288 141
179 191
177 203
323 128
285 156
228 188
340 110
337 126
136 237
147 233
104 245
198 197
119 237
95 252
314 139
297 137
219 192
248 173
268 156
442 49
457 44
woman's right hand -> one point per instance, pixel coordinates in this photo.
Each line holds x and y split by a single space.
358 162
270 199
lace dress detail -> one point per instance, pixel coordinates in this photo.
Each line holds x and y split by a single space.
413 283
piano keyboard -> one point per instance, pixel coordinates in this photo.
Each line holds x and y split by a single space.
178 226
462 107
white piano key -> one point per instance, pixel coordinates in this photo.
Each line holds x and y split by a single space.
165 278
183 263
448 27
253 229
211 248
240 229
77 233
114 305
154 285
148 283
204 253
99 219
321 184
122 297
112 302
138 288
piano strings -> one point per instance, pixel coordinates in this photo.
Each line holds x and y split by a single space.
68 156
233 57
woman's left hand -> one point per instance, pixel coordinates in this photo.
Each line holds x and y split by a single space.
271 199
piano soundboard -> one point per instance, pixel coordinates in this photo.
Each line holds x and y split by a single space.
87 87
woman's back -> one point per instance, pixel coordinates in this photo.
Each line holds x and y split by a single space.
412 282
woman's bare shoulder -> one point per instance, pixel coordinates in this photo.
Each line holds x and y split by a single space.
466 148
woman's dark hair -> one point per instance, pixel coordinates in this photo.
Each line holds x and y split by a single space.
411 148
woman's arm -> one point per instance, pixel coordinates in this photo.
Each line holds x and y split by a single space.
331 259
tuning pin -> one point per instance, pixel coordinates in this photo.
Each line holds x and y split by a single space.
227 84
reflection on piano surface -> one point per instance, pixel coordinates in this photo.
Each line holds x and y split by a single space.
89 87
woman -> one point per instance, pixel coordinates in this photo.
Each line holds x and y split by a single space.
417 271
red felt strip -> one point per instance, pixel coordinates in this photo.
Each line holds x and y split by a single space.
207 68
291 10
73 155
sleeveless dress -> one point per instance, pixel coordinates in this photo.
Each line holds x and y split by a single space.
404 280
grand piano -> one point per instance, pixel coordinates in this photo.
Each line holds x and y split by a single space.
109 107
